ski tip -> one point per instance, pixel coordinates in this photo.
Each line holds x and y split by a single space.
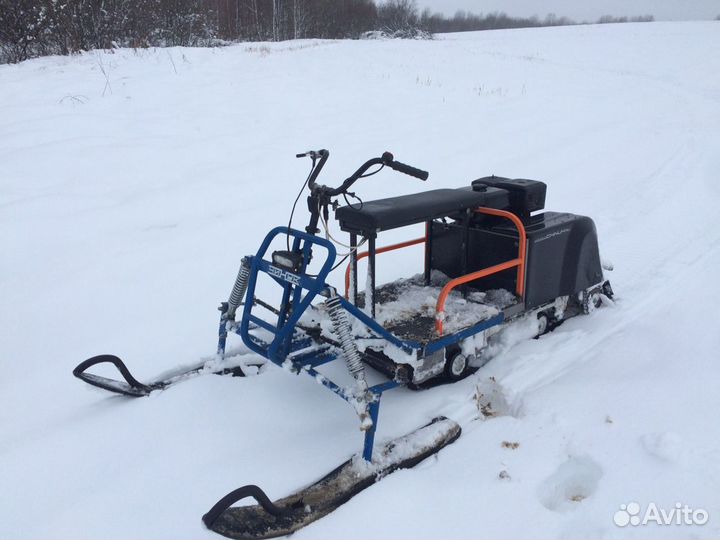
130 387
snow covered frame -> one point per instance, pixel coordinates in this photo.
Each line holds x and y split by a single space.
299 352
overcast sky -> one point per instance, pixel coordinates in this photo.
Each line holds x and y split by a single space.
583 9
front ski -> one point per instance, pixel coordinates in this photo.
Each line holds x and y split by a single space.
269 520
134 388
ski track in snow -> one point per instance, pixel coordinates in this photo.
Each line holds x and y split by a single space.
123 218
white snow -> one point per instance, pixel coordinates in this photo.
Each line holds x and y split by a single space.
417 300
124 217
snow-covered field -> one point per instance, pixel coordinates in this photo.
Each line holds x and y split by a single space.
132 183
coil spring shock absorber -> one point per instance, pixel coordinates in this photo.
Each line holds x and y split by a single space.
238 291
341 325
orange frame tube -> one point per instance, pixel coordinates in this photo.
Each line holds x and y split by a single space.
384 249
519 262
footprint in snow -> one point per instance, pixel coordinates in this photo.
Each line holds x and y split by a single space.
666 446
574 481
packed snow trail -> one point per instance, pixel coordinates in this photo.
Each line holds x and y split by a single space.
123 219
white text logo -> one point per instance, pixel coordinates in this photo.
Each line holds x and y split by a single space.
680 514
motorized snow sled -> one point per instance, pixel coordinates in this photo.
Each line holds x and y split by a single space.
491 258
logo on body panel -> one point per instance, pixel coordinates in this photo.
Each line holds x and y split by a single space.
551 235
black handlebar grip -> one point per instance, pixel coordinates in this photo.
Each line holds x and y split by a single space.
407 169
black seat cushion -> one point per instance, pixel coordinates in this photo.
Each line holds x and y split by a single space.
385 214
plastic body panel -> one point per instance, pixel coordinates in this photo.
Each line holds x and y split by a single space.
563 257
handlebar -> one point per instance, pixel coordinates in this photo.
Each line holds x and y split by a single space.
323 155
387 159
405 169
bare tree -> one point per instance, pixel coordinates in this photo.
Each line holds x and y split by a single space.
398 15
299 18
277 20
251 16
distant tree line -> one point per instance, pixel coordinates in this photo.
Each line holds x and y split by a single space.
278 20
467 22
40 27
606 19
30 28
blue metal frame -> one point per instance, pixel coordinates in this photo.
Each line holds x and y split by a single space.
291 344
451 339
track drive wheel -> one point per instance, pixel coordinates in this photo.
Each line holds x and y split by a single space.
544 323
457 366
591 300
